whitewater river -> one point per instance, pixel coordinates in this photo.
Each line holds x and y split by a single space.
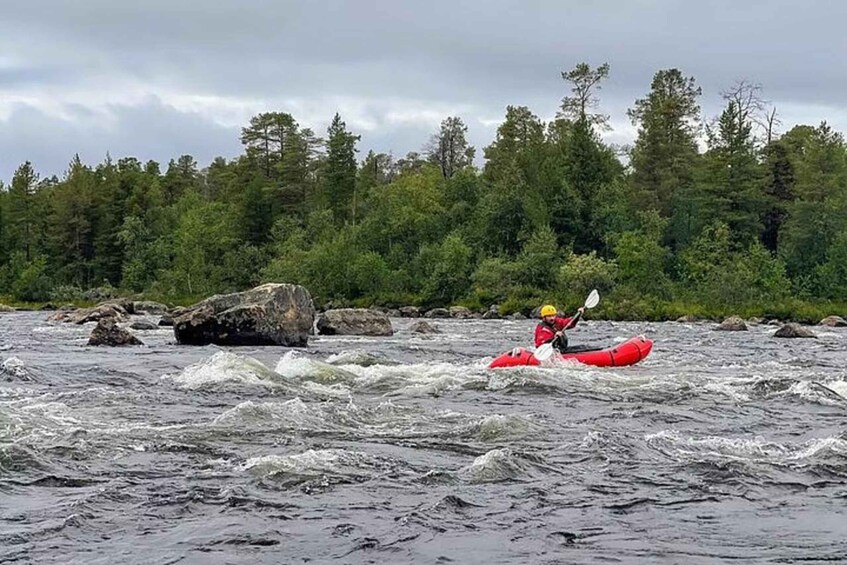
720 447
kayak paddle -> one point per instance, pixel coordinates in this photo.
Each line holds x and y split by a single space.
545 351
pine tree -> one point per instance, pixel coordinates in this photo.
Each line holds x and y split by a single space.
449 149
339 170
665 152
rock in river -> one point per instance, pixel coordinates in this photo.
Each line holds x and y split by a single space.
794 330
107 332
271 314
354 321
732 324
423 328
834 322
143 325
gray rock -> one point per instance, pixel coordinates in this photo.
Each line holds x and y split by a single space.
410 312
755 321
95 314
732 324
493 313
5 308
107 332
354 321
424 328
148 307
834 322
437 313
794 330
143 325
394 313
125 304
460 312
271 314
687 319
774 323
516 316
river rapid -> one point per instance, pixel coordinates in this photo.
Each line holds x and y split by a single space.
720 447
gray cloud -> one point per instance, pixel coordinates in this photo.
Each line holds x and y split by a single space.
165 77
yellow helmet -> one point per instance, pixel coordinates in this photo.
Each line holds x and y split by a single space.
548 310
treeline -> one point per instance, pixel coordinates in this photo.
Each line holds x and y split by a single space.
711 213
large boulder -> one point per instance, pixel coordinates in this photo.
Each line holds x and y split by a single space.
423 327
148 307
437 313
107 332
85 315
732 324
354 321
410 312
794 330
834 322
460 312
271 314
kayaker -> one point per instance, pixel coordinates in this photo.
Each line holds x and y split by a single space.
553 327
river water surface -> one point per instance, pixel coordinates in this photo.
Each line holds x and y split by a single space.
720 447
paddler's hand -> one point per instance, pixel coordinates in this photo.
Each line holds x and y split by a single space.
560 333
581 309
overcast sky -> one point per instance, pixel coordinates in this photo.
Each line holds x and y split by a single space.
159 78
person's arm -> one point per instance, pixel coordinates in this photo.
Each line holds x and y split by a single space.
571 322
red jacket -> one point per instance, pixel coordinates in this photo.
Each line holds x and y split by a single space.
545 334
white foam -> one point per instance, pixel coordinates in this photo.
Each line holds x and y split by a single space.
223 367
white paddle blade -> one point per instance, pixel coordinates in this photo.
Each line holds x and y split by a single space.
544 352
593 299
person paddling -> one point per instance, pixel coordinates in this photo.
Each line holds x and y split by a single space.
553 326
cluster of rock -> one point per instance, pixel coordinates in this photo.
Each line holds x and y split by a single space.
787 330
454 312
109 315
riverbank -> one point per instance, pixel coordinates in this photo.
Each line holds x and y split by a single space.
611 308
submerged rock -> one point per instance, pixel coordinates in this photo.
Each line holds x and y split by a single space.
437 313
794 330
107 332
424 328
354 321
143 325
271 314
834 322
732 324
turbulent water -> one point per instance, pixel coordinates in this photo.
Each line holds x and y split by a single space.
719 447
